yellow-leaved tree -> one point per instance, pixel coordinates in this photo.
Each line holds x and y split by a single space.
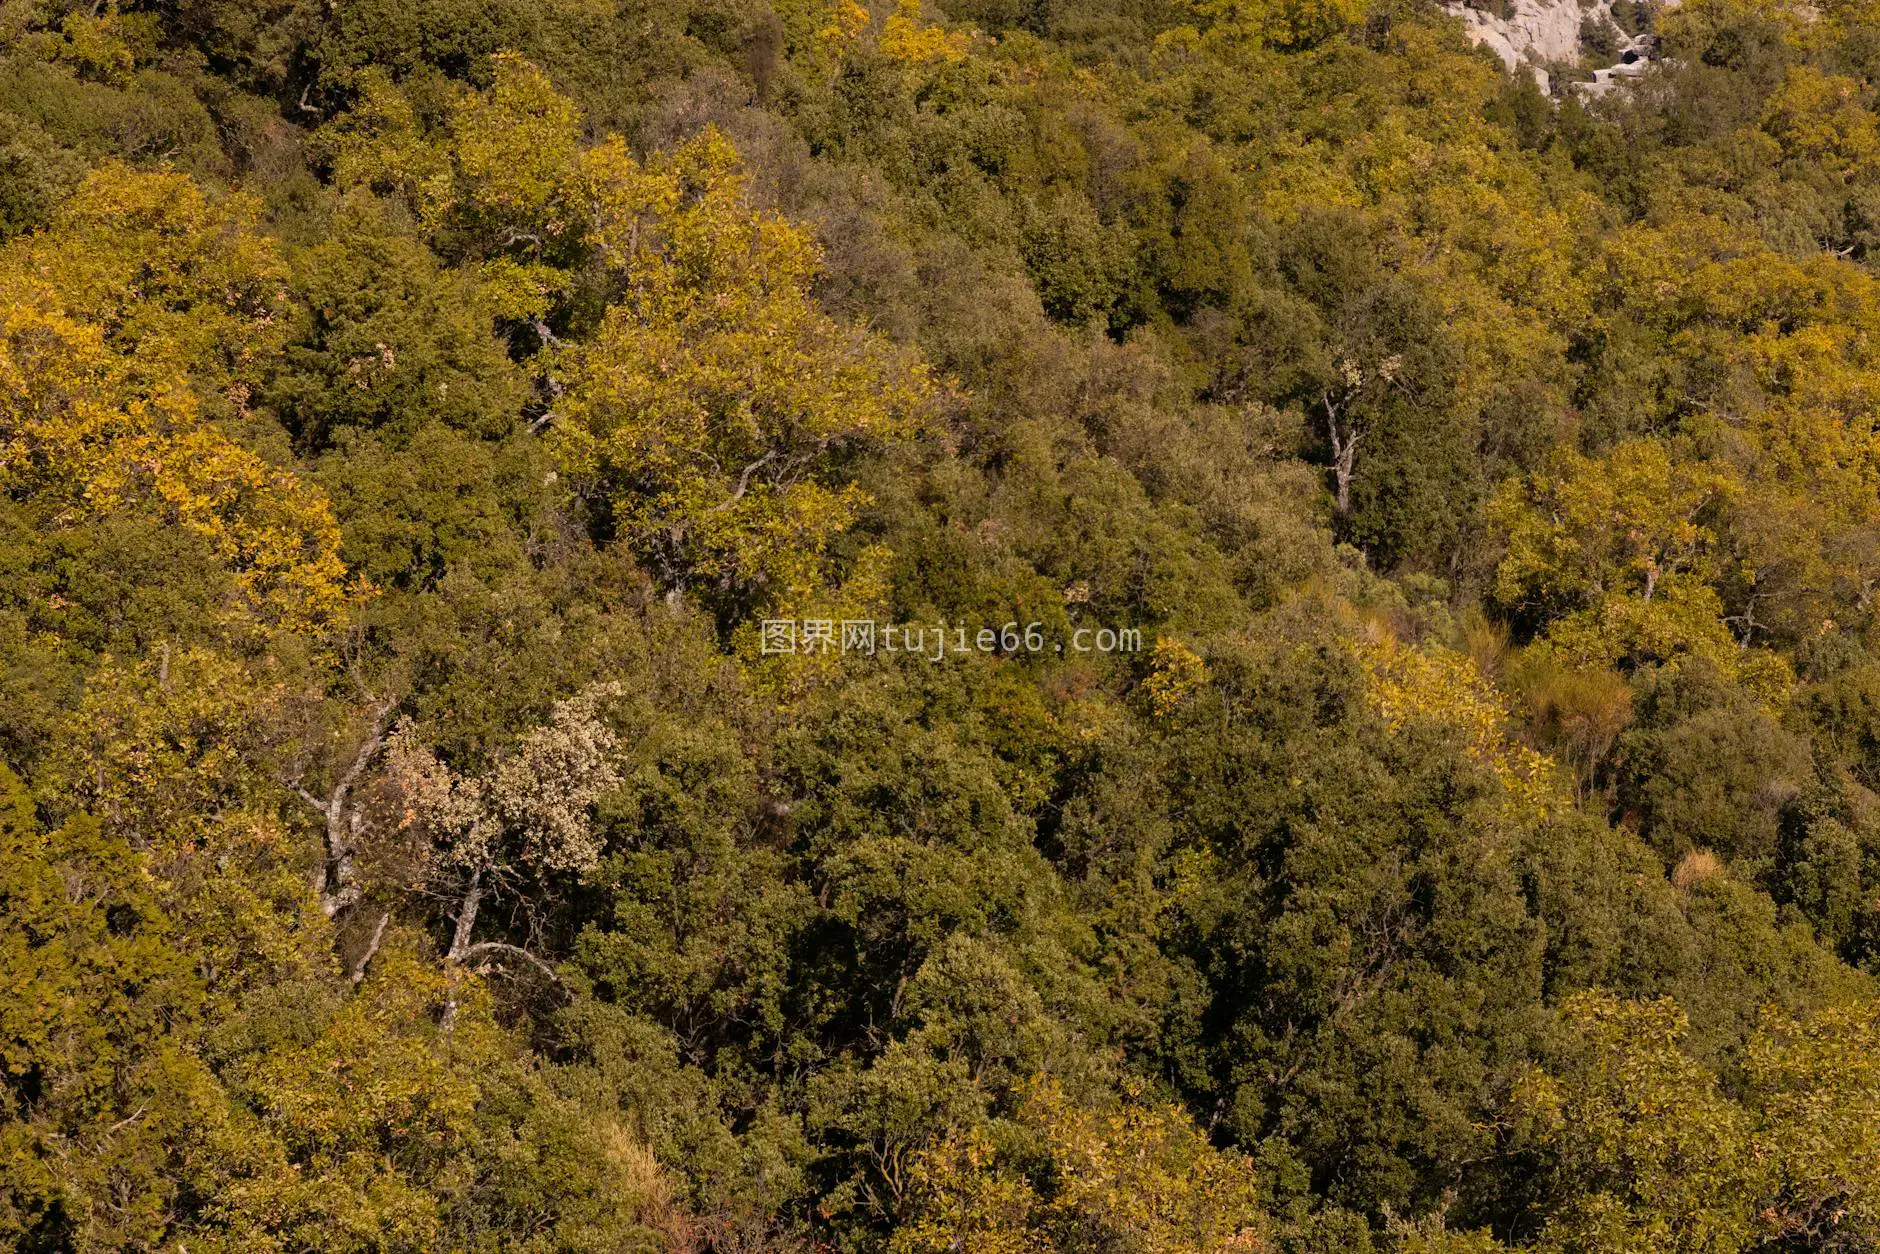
1131 1175
1639 1146
1770 376
1288 24
1616 558
143 297
707 411
716 398
1441 686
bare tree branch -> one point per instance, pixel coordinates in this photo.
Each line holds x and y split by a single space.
1344 451
466 917
744 483
364 960
516 951
343 823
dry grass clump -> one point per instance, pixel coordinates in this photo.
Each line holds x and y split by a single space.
1575 715
1694 867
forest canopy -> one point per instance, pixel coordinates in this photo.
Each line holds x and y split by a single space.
417 420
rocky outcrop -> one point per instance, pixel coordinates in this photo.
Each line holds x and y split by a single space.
1634 56
1536 33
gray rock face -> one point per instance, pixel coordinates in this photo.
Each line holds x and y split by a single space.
1634 56
1538 32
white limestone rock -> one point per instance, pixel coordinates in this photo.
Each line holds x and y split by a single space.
1539 32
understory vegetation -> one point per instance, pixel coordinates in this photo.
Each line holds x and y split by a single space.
411 413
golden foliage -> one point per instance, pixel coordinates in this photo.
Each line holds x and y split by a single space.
1444 686
904 38
707 408
1134 1176
1619 555
1281 23
1176 672
142 293
715 393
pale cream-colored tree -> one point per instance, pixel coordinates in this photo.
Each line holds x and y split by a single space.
527 816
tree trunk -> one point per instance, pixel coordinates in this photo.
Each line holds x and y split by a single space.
466 917
460 942
336 879
1344 454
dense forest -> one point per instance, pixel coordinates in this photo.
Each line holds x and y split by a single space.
438 440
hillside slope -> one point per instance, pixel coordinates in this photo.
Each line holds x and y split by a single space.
1089 625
